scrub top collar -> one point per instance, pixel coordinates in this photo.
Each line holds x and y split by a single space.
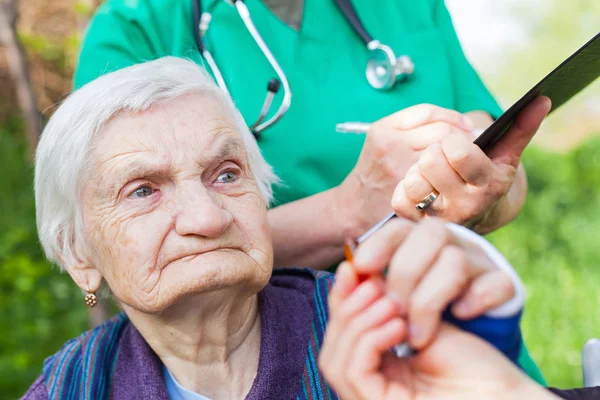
288 11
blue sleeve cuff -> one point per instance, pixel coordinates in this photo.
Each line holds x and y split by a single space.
504 333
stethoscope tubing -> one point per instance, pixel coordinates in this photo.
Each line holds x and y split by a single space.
375 78
348 10
287 91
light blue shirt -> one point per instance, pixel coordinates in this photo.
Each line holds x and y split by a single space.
176 391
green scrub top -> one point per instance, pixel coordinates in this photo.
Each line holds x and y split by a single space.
325 65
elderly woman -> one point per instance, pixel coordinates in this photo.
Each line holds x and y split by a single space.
148 182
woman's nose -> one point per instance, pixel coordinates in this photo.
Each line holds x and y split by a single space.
200 214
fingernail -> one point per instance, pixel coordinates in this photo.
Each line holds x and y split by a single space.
547 102
462 308
343 275
362 259
359 259
414 335
397 300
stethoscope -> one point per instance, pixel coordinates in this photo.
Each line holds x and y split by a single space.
383 69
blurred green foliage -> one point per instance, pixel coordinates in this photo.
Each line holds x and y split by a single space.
554 244
41 308
555 241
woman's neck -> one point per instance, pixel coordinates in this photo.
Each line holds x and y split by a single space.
210 345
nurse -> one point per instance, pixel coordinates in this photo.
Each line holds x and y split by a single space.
338 184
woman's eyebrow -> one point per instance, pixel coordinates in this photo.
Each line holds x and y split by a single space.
135 169
231 149
228 149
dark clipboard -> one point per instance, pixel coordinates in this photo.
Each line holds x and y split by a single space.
564 82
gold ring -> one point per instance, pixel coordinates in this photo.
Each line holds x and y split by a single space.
426 202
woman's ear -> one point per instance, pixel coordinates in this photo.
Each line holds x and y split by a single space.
82 270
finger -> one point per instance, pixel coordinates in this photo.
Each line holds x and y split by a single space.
373 256
422 114
342 313
485 293
479 118
346 280
363 373
331 371
424 136
509 148
414 257
416 187
362 297
404 206
467 159
434 167
380 312
446 280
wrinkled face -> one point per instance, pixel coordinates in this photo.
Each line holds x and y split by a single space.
171 209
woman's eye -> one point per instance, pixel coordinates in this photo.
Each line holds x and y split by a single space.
142 192
227 177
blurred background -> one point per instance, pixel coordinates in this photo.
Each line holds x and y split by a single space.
513 43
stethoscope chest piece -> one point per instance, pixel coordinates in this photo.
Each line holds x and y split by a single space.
384 69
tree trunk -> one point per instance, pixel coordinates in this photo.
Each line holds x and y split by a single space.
17 67
19 73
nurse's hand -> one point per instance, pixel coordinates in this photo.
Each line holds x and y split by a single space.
456 366
431 268
393 144
474 189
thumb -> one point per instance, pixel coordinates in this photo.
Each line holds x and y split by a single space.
509 148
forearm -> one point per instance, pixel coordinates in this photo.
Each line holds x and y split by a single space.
529 390
309 232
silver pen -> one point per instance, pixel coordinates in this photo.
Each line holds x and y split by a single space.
353 127
363 127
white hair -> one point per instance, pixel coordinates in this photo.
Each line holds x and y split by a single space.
63 154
